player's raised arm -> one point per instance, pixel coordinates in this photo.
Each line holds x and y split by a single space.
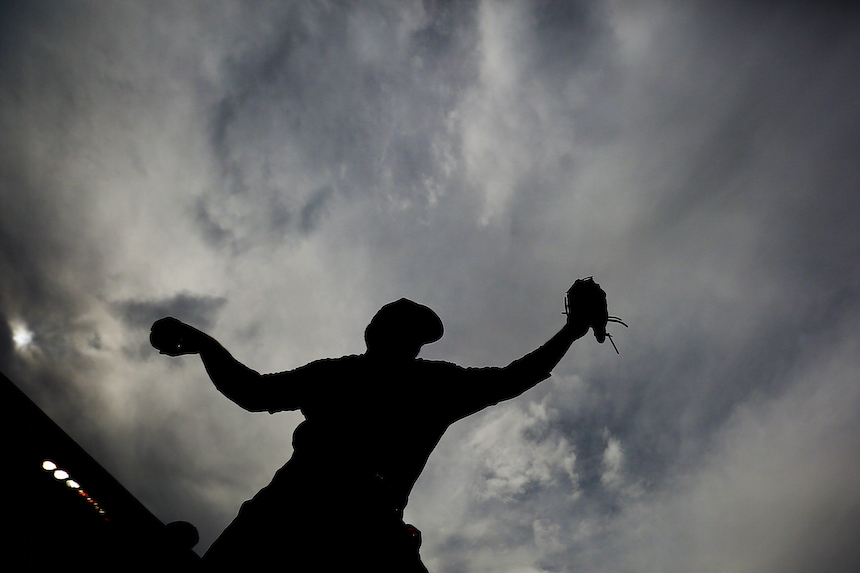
585 308
239 383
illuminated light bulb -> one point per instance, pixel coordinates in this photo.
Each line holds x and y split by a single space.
61 474
73 484
49 465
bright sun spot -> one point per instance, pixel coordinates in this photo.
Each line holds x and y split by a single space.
21 335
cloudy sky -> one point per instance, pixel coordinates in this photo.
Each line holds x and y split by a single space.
274 172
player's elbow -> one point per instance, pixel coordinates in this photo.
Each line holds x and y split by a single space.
245 391
250 401
251 406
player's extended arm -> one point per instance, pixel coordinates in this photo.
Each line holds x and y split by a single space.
538 364
526 372
587 309
239 383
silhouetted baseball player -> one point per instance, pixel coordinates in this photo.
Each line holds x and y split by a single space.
371 422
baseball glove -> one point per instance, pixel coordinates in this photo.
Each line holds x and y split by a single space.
588 300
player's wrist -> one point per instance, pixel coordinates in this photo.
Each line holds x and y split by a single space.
576 326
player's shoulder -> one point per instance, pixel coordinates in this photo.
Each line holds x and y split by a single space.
347 361
435 363
330 363
438 366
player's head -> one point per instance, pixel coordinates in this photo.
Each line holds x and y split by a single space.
401 328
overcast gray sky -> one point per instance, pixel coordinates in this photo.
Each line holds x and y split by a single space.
274 172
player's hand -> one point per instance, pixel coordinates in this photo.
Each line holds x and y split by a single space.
175 338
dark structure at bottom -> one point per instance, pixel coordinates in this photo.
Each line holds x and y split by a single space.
62 511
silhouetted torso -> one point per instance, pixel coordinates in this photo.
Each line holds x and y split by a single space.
370 427
384 419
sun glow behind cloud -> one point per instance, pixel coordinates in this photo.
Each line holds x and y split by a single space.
21 335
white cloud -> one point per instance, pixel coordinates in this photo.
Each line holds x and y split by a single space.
516 451
613 460
779 491
547 535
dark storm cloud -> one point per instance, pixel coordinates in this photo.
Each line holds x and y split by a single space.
213 233
763 98
775 156
566 34
314 210
198 310
323 102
